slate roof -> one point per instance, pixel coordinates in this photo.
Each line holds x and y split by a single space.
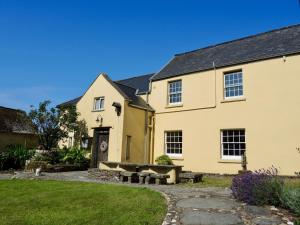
141 83
135 100
15 121
131 87
275 43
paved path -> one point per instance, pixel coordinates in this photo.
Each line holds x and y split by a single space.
191 206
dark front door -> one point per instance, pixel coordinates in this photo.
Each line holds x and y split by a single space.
101 141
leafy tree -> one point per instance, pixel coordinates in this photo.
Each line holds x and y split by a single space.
53 124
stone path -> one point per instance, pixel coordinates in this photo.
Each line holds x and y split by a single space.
191 206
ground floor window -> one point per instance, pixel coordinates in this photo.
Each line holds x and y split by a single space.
233 143
173 143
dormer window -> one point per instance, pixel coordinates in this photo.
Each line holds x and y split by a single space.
175 92
99 103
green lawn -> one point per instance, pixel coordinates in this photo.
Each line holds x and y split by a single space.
225 181
57 202
212 181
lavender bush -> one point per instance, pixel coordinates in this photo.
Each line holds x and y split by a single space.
258 188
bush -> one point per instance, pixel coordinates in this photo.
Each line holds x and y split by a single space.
15 157
258 188
291 199
76 156
164 160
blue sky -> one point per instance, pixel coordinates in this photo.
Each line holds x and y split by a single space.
54 49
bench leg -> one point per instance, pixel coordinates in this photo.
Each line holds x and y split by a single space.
141 180
157 181
129 179
147 180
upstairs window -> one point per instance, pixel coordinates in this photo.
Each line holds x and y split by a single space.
233 144
173 143
233 83
99 103
175 92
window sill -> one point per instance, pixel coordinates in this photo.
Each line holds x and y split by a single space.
233 100
174 105
175 157
234 161
98 110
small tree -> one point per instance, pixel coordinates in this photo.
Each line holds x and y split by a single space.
53 124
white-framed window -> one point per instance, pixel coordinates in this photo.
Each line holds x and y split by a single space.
233 143
175 92
99 103
233 84
173 143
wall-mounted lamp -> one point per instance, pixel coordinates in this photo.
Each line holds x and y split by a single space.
99 120
118 107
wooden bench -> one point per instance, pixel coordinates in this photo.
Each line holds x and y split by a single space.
190 177
144 177
128 176
159 178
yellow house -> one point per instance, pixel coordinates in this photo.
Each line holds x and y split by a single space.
205 108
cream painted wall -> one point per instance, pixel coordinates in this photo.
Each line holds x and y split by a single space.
134 126
269 112
101 87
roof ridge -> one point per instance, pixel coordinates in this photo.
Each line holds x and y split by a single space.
239 39
7 108
148 74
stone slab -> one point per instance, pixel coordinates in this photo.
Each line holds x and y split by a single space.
207 203
209 218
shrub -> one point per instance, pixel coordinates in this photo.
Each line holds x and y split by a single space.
258 188
291 199
164 160
15 157
75 156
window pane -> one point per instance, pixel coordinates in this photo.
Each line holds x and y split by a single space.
233 84
233 142
173 142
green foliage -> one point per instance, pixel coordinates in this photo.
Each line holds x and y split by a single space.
291 199
15 157
164 160
75 156
53 124
297 222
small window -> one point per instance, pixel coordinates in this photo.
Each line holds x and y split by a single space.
128 145
233 84
173 143
175 92
99 103
233 144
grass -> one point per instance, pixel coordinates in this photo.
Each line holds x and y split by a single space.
212 181
225 182
56 202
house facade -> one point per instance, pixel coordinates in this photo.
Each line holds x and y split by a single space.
205 108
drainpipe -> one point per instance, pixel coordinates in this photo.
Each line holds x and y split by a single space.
146 134
215 70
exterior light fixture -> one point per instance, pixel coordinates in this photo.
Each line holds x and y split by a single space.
118 107
99 120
